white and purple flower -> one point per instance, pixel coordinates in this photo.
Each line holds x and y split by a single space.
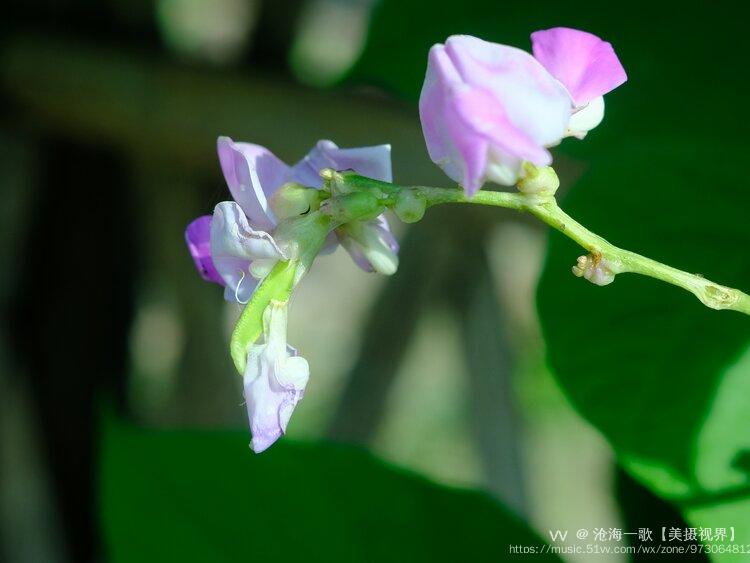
236 248
488 108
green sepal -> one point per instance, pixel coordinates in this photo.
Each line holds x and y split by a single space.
277 285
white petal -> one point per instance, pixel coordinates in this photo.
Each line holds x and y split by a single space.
503 169
274 381
234 244
586 118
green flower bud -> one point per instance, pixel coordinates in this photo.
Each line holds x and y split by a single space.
538 180
292 200
409 207
360 206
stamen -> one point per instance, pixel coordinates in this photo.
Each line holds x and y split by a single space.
237 289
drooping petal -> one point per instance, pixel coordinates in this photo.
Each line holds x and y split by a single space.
371 245
373 162
274 381
486 108
234 244
198 238
356 253
585 64
253 174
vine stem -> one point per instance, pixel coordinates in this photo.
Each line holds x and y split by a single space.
618 260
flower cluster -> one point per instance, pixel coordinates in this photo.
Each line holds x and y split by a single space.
237 247
489 112
486 109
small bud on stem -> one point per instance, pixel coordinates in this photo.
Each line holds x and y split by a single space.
594 268
292 200
541 181
409 207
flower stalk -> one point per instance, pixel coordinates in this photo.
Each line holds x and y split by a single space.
619 260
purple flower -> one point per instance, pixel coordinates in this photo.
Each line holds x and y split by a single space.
240 246
488 108
275 379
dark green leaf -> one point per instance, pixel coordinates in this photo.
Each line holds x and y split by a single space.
643 361
204 496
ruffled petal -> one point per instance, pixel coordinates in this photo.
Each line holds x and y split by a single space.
586 65
198 239
234 244
253 174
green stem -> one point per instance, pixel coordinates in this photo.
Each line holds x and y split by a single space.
619 260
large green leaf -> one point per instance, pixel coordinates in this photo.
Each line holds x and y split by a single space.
645 362
204 496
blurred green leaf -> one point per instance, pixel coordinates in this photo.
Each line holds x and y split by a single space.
204 496
643 361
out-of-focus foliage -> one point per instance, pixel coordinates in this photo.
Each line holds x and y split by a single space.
194 496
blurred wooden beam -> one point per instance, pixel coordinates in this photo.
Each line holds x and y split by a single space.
145 105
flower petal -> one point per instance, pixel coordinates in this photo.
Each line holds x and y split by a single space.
373 162
274 380
198 239
586 65
234 243
356 253
253 174
442 137
482 102
371 245
527 95
586 118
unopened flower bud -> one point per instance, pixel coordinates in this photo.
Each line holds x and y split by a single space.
409 207
362 206
595 268
335 181
538 180
292 200
371 245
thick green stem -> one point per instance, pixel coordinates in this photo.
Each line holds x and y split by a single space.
619 260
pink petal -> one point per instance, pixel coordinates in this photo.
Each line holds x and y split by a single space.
526 95
480 98
586 65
